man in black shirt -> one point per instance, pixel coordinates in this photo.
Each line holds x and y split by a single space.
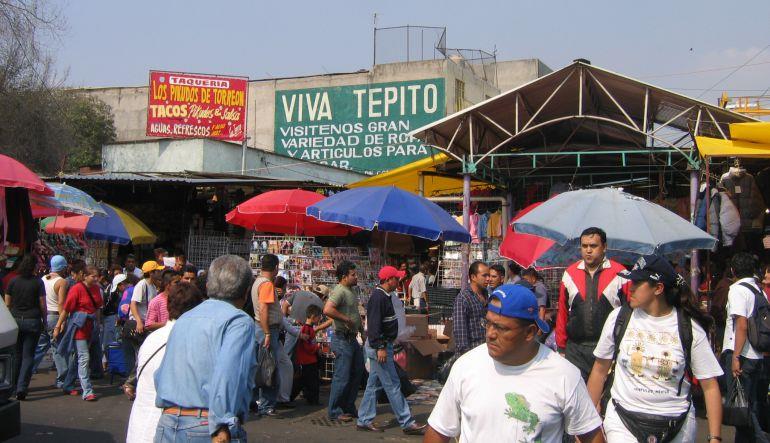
382 330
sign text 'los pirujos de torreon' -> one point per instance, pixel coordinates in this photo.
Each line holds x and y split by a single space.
185 105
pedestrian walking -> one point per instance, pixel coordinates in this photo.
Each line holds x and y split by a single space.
25 298
143 421
342 308
268 315
657 342
81 314
469 308
217 339
590 289
382 332
306 356
55 295
110 314
513 388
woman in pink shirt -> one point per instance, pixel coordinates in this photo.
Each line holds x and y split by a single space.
157 309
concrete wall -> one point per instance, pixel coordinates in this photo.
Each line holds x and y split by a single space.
216 156
129 104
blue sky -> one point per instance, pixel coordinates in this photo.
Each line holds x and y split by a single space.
115 43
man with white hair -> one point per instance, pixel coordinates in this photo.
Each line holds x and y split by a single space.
217 339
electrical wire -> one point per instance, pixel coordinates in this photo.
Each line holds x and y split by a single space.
701 71
734 71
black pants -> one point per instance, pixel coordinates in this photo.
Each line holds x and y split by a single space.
754 380
308 383
26 341
582 356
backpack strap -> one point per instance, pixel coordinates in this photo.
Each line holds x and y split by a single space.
757 295
684 324
621 324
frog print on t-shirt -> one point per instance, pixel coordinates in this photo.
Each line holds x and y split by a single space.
519 410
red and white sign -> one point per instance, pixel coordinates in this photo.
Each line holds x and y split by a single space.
197 106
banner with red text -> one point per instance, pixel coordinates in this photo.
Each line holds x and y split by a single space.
185 105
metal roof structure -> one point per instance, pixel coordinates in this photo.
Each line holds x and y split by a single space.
186 178
581 120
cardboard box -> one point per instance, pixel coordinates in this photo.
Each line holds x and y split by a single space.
421 357
420 324
448 331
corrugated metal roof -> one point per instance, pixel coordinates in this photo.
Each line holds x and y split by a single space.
182 178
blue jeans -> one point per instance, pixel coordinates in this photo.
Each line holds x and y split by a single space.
46 342
269 396
79 364
348 370
383 375
183 429
26 340
108 331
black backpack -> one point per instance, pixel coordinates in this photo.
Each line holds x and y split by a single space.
759 322
684 323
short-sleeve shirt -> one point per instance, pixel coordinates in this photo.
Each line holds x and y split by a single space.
651 362
485 400
80 300
740 301
157 311
417 285
143 294
346 301
263 291
25 293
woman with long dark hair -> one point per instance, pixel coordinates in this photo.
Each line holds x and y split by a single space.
25 297
658 343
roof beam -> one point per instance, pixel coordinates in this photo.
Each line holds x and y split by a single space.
633 123
716 124
548 100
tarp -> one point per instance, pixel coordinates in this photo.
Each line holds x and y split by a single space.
747 140
407 178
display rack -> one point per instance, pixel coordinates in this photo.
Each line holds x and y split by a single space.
98 253
450 266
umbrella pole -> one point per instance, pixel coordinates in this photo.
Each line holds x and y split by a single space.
466 250
109 254
694 265
385 247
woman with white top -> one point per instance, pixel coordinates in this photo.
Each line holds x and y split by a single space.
648 340
144 414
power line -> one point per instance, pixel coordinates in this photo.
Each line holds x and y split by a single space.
723 68
733 71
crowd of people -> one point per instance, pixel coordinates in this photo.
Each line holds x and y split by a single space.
506 382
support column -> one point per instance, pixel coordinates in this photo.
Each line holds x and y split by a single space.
465 259
694 265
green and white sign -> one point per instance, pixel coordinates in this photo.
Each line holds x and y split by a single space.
363 127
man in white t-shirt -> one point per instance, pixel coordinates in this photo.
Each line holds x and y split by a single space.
418 288
144 292
747 364
512 388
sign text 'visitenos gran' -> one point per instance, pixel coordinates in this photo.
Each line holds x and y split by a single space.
197 106
361 127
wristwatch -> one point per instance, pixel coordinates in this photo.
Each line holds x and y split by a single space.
712 437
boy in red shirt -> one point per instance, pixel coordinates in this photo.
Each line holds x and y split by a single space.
306 356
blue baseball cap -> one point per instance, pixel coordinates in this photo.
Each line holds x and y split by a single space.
58 263
516 301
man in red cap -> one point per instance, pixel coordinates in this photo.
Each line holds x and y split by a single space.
382 330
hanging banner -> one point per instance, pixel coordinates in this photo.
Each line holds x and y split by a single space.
197 106
363 127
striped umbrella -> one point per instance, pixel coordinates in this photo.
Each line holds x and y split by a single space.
65 201
119 226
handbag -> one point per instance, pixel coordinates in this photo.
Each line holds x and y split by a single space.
650 427
735 411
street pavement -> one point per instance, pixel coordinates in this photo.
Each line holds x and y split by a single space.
49 416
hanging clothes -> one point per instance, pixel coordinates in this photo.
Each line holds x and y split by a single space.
19 224
494 227
483 223
474 228
724 218
747 197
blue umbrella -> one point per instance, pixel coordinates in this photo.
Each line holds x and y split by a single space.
390 209
66 200
632 223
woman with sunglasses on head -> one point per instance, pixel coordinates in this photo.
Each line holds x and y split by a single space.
658 343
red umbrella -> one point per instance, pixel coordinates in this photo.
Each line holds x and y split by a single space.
67 225
524 249
284 212
13 174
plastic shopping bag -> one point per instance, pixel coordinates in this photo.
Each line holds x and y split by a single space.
736 407
265 369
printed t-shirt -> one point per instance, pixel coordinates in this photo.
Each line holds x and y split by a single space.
651 362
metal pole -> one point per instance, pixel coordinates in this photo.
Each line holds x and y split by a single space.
465 262
243 156
694 268
421 184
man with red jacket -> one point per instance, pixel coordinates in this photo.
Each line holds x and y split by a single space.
590 289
